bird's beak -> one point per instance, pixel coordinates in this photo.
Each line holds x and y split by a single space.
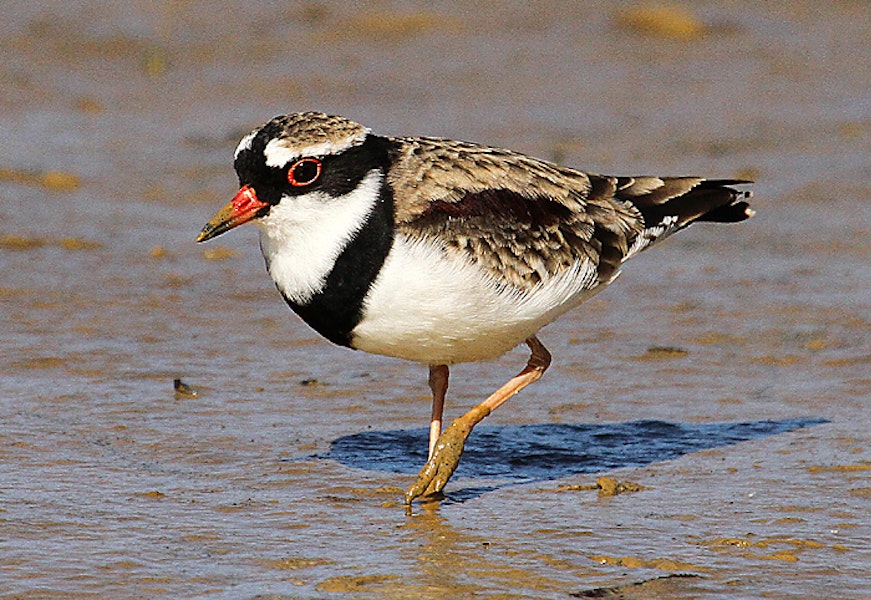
242 208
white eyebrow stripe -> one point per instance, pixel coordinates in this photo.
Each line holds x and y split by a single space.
278 154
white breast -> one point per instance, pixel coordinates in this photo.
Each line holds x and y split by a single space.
435 307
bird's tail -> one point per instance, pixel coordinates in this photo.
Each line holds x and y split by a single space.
668 204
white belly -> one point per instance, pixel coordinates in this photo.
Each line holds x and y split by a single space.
435 308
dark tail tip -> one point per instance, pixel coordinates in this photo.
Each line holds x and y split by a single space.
731 213
686 199
734 212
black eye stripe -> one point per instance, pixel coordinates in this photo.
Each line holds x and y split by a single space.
339 173
343 172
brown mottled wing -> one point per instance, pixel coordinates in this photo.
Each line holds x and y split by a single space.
522 219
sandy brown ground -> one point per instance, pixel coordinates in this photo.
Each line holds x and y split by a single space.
119 121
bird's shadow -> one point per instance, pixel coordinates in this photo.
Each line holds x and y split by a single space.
529 453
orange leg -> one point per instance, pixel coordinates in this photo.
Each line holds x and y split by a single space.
438 383
445 457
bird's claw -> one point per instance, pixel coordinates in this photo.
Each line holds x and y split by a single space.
444 461
446 455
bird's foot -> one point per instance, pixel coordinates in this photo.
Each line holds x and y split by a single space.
446 456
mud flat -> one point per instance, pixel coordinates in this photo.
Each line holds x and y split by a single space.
724 383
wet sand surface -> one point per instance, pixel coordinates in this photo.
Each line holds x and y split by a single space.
727 374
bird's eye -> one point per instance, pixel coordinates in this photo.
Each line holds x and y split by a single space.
304 172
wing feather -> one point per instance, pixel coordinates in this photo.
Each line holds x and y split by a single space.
526 220
523 219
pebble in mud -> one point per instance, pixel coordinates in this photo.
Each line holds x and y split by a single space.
183 390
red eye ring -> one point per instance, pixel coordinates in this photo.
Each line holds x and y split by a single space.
304 172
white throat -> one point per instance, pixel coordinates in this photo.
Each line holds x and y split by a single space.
302 236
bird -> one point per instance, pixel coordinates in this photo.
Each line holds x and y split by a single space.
442 251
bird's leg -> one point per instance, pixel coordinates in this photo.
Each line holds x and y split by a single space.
445 457
438 383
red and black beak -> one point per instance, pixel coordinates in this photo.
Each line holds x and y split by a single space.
242 208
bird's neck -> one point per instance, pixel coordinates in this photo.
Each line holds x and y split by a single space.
323 253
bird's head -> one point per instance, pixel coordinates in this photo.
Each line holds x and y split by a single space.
295 161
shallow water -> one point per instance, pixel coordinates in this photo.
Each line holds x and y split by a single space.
726 372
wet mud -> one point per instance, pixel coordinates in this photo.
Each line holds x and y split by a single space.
170 429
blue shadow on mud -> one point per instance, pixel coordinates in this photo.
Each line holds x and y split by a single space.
527 453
